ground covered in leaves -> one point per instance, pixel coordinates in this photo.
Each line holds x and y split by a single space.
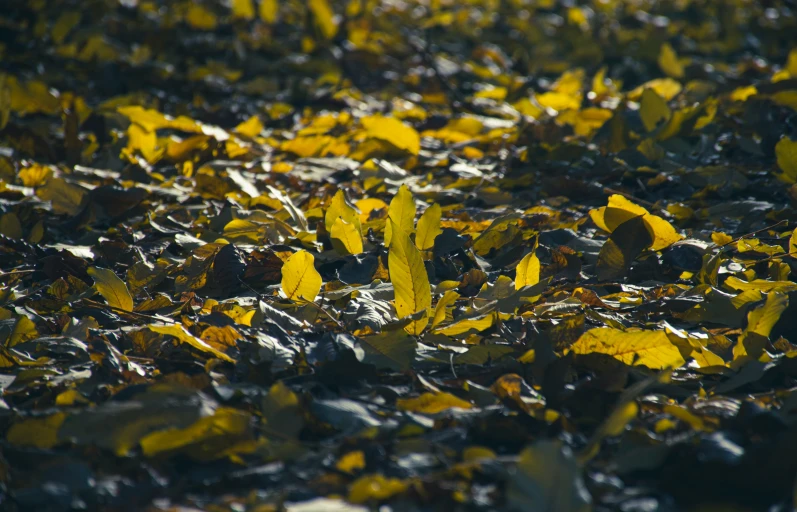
260 255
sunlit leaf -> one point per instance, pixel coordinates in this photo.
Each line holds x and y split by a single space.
112 289
401 214
669 63
786 153
179 332
300 279
527 272
410 282
647 348
432 403
397 133
345 237
428 228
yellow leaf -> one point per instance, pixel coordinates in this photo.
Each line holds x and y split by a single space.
410 282
760 322
243 9
375 488
300 280
653 109
432 403
527 272
620 209
179 332
648 348
400 213
742 93
793 244
786 153
760 285
324 18
558 101
669 63
37 432
200 17
268 11
791 63
250 128
667 88
345 237
339 208
389 129
428 227
24 330
206 439
351 462
477 324
368 205
440 311
221 338
112 289
35 176
615 424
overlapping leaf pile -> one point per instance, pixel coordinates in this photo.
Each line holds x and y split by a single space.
435 254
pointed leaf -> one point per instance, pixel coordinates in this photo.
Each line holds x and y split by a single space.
345 237
112 289
401 212
410 282
428 228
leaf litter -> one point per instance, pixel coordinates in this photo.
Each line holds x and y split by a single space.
431 255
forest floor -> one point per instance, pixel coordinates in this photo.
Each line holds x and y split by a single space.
263 255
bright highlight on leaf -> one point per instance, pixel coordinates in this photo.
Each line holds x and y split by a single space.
300 280
646 348
410 282
112 289
620 209
669 63
432 403
389 129
527 272
400 214
786 153
345 237
179 332
428 227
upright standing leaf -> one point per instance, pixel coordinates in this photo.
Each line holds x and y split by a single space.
786 153
268 11
339 208
653 109
300 279
345 237
410 282
428 228
400 214
440 311
527 272
112 289
324 18
669 63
